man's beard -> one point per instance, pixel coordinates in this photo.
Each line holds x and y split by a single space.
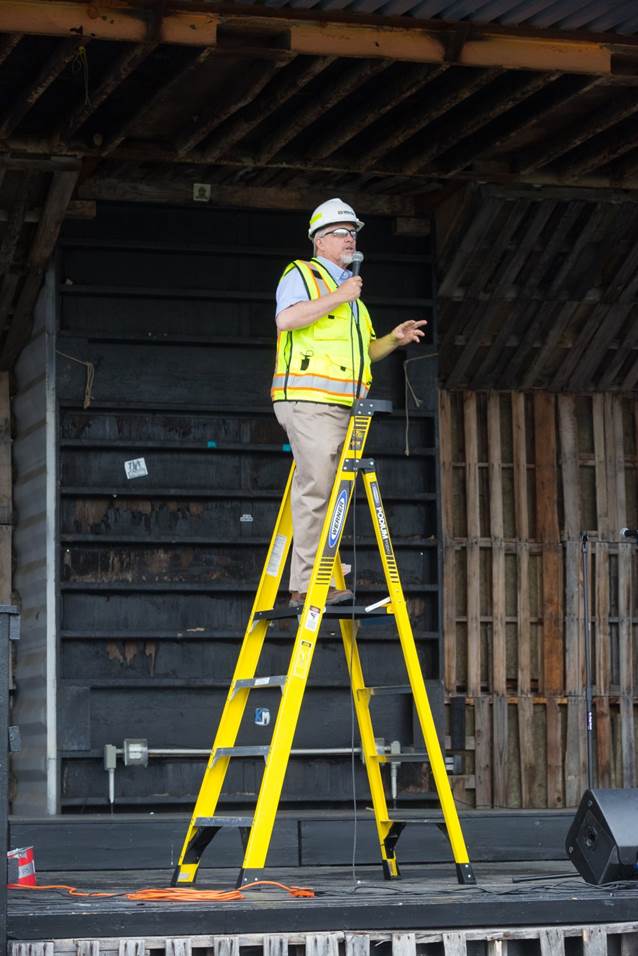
346 258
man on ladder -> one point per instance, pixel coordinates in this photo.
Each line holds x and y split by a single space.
325 346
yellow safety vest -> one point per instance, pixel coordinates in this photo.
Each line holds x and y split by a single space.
327 361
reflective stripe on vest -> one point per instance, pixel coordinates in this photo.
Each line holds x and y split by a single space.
327 361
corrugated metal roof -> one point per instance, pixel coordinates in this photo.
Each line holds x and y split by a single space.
596 16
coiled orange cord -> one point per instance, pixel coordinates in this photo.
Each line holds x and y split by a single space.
170 894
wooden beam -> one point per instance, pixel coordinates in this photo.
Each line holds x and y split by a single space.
255 77
579 132
248 196
183 75
352 78
615 143
8 43
283 88
334 34
416 120
58 199
485 111
388 98
51 69
560 96
124 66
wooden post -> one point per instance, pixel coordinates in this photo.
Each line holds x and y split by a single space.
549 534
6 492
473 550
449 550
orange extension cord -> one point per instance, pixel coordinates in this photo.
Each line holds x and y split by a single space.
173 894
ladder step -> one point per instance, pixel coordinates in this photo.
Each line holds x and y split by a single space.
238 822
389 689
261 751
332 611
250 682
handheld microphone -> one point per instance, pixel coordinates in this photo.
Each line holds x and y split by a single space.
355 265
629 532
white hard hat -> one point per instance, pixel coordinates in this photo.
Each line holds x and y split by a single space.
330 212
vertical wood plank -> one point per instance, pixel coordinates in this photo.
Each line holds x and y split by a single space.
603 742
611 454
454 944
552 563
322 944
549 535
526 749
226 946
449 553
500 776
626 667
499 659
6 492
357 944
522 534
575 751
617 473
598 416
278 946
594 941
179 947
555 796
483 752
552 942
473 552
403 944
497 947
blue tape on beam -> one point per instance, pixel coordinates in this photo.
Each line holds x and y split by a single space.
212 444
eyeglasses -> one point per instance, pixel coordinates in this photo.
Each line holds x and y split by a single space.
340 233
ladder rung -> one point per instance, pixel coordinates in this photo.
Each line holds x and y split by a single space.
249 682
332 611
223 822
389 689
240 752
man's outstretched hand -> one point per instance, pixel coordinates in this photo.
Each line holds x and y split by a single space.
409 331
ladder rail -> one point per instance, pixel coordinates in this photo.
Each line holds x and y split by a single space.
413 667
237 698
303 649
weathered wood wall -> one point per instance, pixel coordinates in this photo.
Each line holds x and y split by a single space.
523 476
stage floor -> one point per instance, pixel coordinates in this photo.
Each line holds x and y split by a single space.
426 898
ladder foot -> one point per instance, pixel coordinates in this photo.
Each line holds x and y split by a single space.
248 876
465 874
391 870
184 876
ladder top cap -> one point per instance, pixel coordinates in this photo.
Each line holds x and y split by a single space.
371 407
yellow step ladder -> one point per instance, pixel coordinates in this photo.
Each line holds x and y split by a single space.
256 830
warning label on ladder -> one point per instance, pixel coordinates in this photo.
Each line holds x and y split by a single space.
278 548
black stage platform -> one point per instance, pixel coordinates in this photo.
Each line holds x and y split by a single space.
427 898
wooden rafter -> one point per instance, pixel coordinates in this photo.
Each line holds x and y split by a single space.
335 34
51 69
125 65
387 99
416 120
283 88
604 150
259 75
8 43
352 78
580 131
501 134
497 103
58 199
181 76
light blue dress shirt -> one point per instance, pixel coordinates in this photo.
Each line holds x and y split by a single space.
291 288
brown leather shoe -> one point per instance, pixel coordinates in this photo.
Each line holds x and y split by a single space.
297 599
338 597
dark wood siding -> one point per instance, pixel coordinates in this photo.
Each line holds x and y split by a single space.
174 312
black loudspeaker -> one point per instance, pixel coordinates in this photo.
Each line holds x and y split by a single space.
602 841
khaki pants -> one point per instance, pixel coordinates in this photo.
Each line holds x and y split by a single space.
316 433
